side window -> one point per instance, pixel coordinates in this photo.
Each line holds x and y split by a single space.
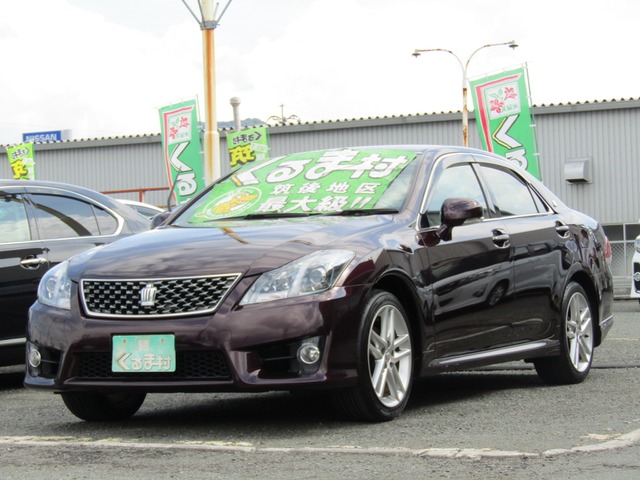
65 217
509 194
457 181
14 225
106 223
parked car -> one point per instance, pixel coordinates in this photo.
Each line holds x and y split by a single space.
350 272
42 224
635 268
142 208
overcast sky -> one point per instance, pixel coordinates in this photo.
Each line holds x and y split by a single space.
104 67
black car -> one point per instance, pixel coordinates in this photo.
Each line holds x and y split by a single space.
351 272
42 224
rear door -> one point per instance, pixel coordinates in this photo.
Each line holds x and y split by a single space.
538 237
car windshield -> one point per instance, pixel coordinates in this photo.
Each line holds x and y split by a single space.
330 182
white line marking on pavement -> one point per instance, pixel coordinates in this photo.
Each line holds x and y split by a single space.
625 440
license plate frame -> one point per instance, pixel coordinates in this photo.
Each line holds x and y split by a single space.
143 353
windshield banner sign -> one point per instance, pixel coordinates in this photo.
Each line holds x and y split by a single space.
249 145
21 160
504 120
182 152
309 183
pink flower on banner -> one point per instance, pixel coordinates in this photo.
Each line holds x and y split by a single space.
184 122
173 132
496 105
509 92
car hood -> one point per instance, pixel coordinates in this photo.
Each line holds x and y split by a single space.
229 247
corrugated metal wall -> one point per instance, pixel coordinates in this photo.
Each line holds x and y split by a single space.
610 139
607 133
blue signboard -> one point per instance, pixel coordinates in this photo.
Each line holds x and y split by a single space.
43 137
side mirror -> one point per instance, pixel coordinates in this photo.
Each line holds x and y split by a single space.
159 219
456 211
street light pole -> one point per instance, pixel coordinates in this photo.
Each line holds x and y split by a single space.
464 66
208 23
212 167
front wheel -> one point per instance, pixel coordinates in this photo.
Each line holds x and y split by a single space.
103 406
385 362
576 341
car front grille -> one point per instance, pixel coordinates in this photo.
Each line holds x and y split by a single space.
193 365
164 297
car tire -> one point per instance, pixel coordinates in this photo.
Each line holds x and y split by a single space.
385 363
103 407
577 341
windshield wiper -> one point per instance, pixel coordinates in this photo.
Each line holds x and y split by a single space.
260 216
371 211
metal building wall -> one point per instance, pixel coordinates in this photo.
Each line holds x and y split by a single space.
609 136
104 165
608 133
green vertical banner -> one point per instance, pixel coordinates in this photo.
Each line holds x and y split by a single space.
22 162
181 147
504 119
247 146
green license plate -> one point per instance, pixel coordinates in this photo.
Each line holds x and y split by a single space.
143 353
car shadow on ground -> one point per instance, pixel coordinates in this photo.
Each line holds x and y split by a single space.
285 415
11 377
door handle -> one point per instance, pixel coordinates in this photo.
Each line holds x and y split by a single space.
32 262
501 239
562 229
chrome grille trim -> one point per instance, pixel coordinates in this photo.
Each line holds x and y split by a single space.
179 296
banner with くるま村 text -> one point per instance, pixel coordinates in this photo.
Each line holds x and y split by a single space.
181 148
504 119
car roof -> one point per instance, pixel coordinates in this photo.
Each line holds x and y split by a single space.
136 220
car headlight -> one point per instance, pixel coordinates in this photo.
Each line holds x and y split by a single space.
313 273
55 287
638 244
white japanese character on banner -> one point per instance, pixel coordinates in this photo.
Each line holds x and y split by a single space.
302 204
367 188
332 204
273 204
309 187
338 187
282 189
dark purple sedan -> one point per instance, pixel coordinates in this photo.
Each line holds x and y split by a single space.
352 272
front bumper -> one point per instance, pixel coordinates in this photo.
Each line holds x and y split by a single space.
250 348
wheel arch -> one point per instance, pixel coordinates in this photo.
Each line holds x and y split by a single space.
397 284
582 279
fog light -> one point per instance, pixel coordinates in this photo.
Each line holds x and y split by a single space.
35 359
308 353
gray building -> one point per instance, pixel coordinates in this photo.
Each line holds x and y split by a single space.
589 154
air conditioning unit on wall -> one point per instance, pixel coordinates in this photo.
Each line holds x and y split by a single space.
578 170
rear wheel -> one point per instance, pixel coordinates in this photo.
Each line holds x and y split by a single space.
577 341
103 406
385 363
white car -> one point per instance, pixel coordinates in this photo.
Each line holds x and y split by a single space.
145 209
635 268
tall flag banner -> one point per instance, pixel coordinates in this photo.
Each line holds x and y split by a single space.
504 119
22 162
182 152
247 146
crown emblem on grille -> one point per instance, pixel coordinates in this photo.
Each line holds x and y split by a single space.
148 295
